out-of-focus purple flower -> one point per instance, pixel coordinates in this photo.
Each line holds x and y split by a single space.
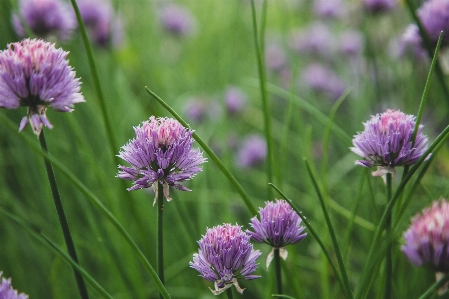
351 43
386 142
427 238
434 15
196 109
45 18
177 20
379 6
329 8
322 79
411 43
103 26
279 226
316 39
235 99
35 74
225 255
7 292
275 59
161 152
252 152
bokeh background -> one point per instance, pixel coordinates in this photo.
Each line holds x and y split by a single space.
199 56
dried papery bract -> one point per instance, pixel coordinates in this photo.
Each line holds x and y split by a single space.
225 255
160 152
33 73
387 142
279 225
7 292
427 239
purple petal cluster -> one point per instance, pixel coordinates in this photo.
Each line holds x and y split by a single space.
177 20
427 238
387 141
7 292
161 152
235 100
434 15
252 152
379 6
35 74
320 78
225 255
103 26
329 8
45 18
278 226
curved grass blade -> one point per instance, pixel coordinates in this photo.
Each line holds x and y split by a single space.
314 234
96 202
77 267
259 46
320 116
93 69
211 154
430 291
49 245
344 275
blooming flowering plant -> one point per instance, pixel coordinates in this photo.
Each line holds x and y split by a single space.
7 292
387 142
161 152
279 225
225 255
33 73
427 239
45 18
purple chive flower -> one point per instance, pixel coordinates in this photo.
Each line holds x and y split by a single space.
225 255
7 292
351 43
320 78
103 27
161 152
329 8
279 226
235 100
379 6
253 151
434 15
386 142
275 58
35 74
316 39
411 43
427 238
177 20
45 18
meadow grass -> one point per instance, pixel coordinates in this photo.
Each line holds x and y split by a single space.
155 73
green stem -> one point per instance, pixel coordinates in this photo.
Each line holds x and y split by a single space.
430 291
428 47
388 254
259 46
62 218
347 286
277 264
160 235
96 80
314 234
229 293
